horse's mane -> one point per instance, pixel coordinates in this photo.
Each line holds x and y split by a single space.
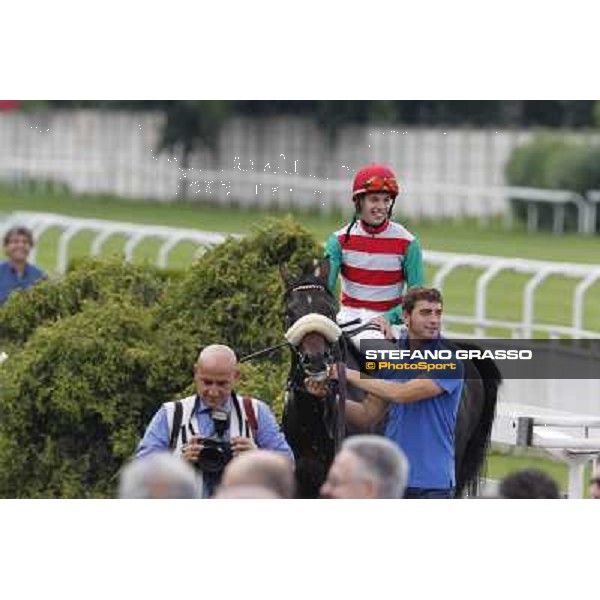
479 441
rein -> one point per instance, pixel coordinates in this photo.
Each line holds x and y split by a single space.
263 352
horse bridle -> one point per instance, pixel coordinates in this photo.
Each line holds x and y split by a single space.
301 359
338 388
305 286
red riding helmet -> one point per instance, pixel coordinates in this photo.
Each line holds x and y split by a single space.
375 178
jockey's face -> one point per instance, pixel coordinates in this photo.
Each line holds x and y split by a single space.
344 481
18 247
425 320
215 378
374 207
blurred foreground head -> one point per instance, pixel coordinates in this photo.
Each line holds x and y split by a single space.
529 484
367 466
245 492
262 468
160 475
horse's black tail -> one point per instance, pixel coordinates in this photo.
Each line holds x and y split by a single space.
472 466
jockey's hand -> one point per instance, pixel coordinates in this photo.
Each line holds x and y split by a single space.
384 325
191 451
241 444
316 388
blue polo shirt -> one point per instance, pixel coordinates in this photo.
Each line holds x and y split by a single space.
10 279
425 429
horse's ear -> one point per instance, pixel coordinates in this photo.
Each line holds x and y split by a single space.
285 275
322 269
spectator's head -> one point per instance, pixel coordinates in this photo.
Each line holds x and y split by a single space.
422 314
367 466
529 483
245 492
595 483
263 468
215 373
18 242
158 475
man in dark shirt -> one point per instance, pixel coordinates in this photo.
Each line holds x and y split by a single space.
16 273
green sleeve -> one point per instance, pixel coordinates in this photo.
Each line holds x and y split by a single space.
333 251
414 273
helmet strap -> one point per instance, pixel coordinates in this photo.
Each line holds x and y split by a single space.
391 209
355 218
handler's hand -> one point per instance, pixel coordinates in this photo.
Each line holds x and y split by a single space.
191 451
241 444
385 327
351 374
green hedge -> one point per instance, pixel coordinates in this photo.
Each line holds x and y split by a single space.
553 162
89 279
531 165
93 355
236 287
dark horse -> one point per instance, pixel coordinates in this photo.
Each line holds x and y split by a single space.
314 426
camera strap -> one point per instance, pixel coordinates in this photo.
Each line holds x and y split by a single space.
250 415
249 412
177 417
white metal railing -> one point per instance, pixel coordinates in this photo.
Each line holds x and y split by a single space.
571 438
539 271
559 200
135 233
446 262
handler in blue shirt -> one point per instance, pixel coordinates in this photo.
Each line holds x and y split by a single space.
421 407
16 273
251 424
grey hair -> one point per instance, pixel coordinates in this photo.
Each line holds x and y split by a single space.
158 475
381 461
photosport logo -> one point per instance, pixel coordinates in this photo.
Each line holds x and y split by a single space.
516 359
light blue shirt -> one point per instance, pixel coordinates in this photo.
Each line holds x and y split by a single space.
268 435
10 280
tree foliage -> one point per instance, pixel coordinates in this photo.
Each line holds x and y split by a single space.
93 355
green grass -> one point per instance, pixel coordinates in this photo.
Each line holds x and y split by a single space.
553 301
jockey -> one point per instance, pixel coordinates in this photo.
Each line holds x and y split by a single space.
376 257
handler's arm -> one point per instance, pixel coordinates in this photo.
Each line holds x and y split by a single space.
417 389
365 414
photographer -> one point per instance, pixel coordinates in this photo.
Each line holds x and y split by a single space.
211 427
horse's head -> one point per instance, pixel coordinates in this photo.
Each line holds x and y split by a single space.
306 299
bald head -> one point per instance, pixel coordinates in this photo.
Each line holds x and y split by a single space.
218 353
263 468
246 492
216 372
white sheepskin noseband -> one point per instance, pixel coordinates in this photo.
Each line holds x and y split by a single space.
313 323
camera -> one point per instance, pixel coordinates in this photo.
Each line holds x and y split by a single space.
216 450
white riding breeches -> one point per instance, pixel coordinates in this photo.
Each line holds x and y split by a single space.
347 314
